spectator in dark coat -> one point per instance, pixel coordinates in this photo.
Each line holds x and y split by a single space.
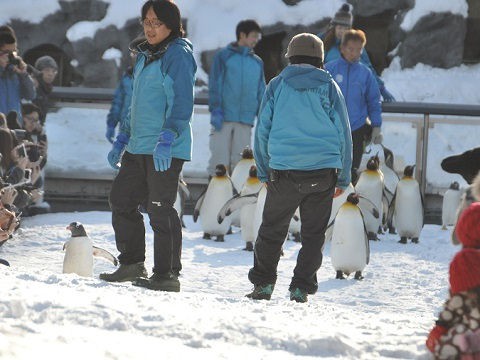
46 73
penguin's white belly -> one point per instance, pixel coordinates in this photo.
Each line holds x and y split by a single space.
247 219
348 251
215 197
408 215
78 257
336 204
372 189
295 225
451 200
262 195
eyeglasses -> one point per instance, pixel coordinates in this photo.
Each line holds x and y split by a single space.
155 23
31 118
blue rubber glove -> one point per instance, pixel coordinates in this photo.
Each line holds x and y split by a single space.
116 153
216 119
387 96
110 134
162 155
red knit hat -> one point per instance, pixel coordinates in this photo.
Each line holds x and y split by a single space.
465 270
468 226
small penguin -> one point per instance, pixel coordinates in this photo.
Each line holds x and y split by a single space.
295 227
79 252
246 204
391 180
407 207
218 192
4 262
451 201
370 185
350 248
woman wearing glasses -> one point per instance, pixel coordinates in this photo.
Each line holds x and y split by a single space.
153 143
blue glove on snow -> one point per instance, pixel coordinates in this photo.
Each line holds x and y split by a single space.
162 155
116 153
387 96
110 134
216 119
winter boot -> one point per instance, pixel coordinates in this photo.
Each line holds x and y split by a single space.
159 282
248 246
261 292
403 240
298 295
126 272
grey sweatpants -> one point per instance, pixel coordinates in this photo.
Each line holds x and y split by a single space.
226 145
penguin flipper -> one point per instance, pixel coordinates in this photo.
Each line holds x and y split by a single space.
235 203
184 188
198 205
4 262
366 206
99 252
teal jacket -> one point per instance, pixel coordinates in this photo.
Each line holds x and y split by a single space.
236 84
122 99
162 98
303 125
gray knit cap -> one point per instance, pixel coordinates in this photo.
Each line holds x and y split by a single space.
343 16
45 62
305 44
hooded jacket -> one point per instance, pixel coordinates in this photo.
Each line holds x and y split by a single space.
13 88
236 84
162 98
303 125
360 90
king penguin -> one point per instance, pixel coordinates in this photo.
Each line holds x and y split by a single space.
350 248
451 201
370 185
218 192
239 176
336 204
79 252
408 207
245 202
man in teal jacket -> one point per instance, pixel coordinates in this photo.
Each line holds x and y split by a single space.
154 141
236 87
303 151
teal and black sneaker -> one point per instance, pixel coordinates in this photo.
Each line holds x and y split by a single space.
261 292
298 295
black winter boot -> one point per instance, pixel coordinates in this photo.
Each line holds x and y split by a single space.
159 282
126 272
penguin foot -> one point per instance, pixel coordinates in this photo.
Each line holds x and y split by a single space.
372 236
206 236
248 246
380 230
444 227
358 275
403 240
391 230
415 240
229 232
281 252
297 238
219 238
340 275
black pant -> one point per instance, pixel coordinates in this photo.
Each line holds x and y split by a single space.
358 144
287 190
138 183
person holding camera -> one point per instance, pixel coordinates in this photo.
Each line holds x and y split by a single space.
15 82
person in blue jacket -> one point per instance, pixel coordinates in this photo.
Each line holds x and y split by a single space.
122 98
153 143
303 152
15 82
341 22
236 86
361 93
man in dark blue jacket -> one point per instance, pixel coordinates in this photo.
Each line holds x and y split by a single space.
303 150
361 93
15 82
236 86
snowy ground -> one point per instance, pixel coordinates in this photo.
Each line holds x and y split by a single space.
46 314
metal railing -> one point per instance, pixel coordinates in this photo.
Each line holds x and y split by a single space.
101 97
